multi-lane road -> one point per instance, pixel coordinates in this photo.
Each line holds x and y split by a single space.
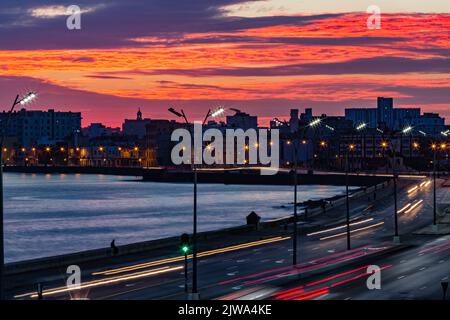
326 270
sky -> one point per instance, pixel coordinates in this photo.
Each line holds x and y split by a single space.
263 57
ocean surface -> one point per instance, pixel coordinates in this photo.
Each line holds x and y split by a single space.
51 214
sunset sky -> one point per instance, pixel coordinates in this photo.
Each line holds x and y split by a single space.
263 57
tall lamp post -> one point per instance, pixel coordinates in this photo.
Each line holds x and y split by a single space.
406 130
294 244
351 147
26 99
295 136
182 115
435 147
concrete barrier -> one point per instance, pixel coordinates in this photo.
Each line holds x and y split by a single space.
104 253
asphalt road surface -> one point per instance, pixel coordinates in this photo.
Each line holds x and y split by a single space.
325 269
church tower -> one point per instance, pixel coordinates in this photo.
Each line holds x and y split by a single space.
139 114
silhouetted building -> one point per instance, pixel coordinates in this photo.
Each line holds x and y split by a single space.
32 127
135 127
158 139
242 120
386 117
98 130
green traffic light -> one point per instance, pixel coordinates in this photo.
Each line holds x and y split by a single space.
185 249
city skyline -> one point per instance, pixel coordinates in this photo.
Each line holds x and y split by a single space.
264 57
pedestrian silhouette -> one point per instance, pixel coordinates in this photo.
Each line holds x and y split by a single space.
114 248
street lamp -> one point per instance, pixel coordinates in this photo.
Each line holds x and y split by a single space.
315 122
407 129
295 136
26 99
394 174
434 147
360 128
384 146
351 147
181 114
218 112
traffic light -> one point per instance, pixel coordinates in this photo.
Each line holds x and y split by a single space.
185 243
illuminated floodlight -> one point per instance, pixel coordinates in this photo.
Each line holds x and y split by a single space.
361 126
218 112
315 122
28 98
407 129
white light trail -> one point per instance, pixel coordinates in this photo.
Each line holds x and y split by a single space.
101 282
353 231
339 227
414 206
404 208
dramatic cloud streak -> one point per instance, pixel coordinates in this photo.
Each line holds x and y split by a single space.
196 54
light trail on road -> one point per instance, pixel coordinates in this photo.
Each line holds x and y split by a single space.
404 208
297 271
311 262
353 231
299 293
415 205
339 227
102 282
181 258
